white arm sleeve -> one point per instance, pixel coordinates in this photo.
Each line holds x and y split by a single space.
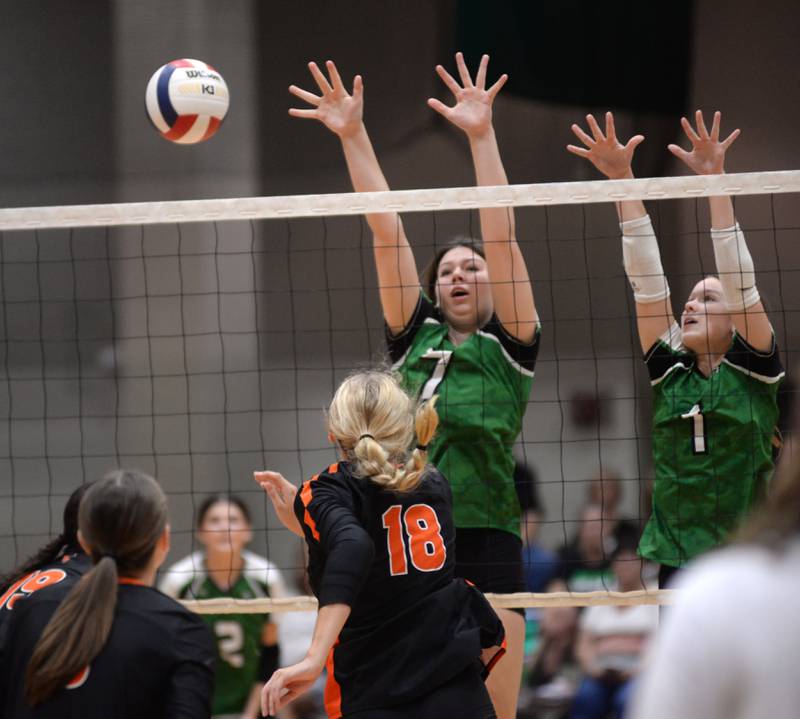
735 268
642 260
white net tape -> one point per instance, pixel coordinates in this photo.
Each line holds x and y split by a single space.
351 203
520 600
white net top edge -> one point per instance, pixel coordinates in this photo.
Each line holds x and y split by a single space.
354 203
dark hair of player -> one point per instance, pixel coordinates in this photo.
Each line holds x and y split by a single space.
121 518
429 274
212 499
66 542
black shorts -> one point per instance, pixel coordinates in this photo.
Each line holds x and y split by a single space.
491 559
464 696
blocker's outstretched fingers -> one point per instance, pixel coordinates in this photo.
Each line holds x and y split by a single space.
480 78
463 73
595 128
305 95
448 80
494 89
320 79
582 136
579 151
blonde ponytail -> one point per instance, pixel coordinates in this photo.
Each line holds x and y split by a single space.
375 423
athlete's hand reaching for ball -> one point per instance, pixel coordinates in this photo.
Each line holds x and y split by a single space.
339 111
282 493
605 151
472 112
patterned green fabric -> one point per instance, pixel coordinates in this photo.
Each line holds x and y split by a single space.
482 400
712 447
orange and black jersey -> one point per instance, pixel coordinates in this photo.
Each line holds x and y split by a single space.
68 568
158 661
390 557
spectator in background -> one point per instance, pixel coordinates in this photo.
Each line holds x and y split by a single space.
247 644
540 564
611 640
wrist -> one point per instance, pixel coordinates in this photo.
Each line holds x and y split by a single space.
626 174
354 132
480 136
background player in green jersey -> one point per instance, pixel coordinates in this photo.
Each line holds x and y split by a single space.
475 347
247 644
715 377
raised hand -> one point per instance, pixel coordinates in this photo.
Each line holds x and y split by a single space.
282 493
605 151
707 156
339 111
472 112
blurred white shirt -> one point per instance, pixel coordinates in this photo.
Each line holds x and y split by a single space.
730 647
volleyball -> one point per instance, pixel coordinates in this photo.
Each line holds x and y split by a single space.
186 101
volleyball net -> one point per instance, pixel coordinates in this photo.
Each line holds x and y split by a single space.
201 340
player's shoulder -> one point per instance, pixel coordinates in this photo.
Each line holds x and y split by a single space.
261 570
182 574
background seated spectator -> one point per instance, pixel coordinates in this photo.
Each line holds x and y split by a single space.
611 640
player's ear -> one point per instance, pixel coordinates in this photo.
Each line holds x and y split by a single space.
84 544
163 545
331 438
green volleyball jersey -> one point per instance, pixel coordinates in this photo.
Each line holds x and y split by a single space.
713 440
483 386
238 636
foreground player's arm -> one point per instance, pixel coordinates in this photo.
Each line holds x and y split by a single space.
342 114
640 254
282 493
511 286
289 683
268 665
733 259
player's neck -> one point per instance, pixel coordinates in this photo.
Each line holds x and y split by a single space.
224 568
459 336
707 362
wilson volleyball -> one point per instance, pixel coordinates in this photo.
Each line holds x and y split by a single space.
186 101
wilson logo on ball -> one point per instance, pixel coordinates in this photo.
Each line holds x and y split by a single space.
186 100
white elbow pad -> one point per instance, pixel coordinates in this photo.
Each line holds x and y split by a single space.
642 261
735 268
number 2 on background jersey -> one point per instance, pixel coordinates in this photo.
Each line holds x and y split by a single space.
231 642
424 533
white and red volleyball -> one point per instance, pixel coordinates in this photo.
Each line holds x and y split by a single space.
186 101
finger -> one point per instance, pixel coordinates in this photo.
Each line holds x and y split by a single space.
264 701
466 80
448 80
611 131
579 151
679 152
358 86
729 140
320 79
305 114
309 97
595 128
336 79
701 125
494 89
582 136
715 126
634 142
439 106
480 78
689 130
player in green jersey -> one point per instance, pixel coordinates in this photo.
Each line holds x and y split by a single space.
472 340
247 644
715 377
